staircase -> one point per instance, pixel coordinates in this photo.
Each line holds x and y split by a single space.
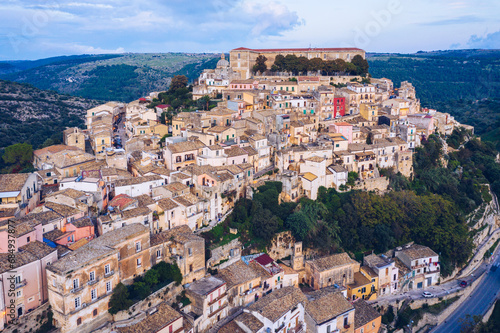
226 320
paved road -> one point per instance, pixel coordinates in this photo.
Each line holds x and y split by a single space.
478 302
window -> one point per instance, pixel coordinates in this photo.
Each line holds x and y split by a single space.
19 293
76 283
92 276
108 287
190 268
328 329
94 313
137 246
93 294
79 321
107 269
158 253
18 279
78 303
190 252
362 330
139 262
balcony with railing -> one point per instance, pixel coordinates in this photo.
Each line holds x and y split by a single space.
76 290
92 282
108 274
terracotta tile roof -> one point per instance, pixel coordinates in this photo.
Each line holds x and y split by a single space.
13 182
78 244
186 200
82 222
27 254
166 204
122 201
135 212
153 323
250 150
185 146
181 234
364 313
279 302
217 129
246 320
175 186
43 217
237 273
326 304
235 151
287 269
335 260
53 149
359 280
61 209
136 180
144 200
69 192
53 235
97 248
417 251
338 168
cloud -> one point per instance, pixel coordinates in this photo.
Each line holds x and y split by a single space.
490 41
458 20
76 48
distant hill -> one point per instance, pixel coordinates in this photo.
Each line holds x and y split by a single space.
32 115
465 83
117 77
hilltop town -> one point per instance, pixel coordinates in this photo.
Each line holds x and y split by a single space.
110 233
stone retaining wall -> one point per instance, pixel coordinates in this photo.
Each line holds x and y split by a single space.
31 321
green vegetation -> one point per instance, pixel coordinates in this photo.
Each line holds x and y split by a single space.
408 315
463 83
156 278
301 65
30 115
122 77
490 251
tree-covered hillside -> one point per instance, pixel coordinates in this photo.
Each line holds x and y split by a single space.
464 83
119 77
32 115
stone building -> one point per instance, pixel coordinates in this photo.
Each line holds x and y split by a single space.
243 59
184 248
208 301
74 137
81 283
336 269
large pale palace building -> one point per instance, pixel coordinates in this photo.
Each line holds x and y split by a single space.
242 59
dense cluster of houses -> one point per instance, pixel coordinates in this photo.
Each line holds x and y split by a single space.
129 192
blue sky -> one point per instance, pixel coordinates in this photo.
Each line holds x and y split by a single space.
43 28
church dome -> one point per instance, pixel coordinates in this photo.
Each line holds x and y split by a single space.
222 63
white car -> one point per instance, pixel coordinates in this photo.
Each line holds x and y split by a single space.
427 294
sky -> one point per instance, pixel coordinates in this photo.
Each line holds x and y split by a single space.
35 29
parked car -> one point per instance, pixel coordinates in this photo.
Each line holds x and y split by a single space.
463 284
427 294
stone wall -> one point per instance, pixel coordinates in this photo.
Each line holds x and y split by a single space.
31 321
281 245
378 184
167 293
223 252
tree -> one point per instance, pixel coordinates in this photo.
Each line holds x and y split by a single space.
360 63
298 224
19 155
265 224
352 176
141 289
369 138
316 64
178 81
205 101
279 62
120 299
151 277
260 64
